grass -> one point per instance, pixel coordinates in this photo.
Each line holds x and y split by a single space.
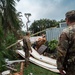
37 70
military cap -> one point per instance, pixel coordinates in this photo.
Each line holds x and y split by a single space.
70 14
27 33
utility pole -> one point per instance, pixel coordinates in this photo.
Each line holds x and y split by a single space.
27 15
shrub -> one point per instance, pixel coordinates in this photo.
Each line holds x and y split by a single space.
52 44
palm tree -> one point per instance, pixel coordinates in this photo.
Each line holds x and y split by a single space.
9 23
10 19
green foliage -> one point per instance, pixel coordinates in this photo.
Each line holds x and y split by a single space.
1 34
10 22
10 25
52 44
10 54
42 24
2 62
10 39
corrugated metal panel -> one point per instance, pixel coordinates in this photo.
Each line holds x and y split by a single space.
53 33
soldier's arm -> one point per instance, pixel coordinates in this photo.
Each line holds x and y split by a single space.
29 44
61 50
24 42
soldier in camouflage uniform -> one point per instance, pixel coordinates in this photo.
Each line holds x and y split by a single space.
27 47
66 46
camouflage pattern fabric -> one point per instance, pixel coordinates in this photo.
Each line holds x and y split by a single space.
27 48
68 33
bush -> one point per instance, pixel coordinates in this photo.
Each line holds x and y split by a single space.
52 45
10 53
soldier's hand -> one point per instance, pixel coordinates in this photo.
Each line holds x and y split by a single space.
62 72
30 51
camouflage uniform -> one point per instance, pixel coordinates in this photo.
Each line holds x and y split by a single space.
65 38
27 48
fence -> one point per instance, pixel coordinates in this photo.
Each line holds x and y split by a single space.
53 33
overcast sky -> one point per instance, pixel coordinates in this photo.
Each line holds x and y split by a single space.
50 9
